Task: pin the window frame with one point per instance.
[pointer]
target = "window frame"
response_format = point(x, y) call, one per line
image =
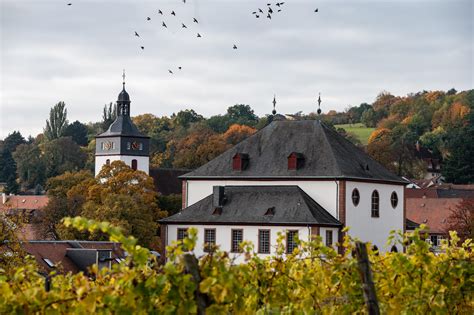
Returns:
point(394, 201)
point(355, 190)
point(185, 232)
point(134, 164)
point(207, 246)
point(294, 245)
point(232, 249)
point(329, 232)
point(269, 241)
point(375, 211)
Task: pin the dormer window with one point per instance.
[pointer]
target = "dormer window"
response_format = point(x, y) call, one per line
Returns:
point(240, 161)
point(295, 161)
point(270, 211)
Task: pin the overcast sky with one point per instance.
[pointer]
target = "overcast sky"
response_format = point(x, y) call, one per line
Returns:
point(349, 51)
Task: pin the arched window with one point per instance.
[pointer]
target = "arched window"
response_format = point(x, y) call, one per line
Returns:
point(134, 164)
point(107, 162)
point(375, 204)
point(394, 249)
point(355, 197)
point(394, 199)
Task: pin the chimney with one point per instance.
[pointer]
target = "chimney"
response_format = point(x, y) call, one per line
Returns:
point(218, 197)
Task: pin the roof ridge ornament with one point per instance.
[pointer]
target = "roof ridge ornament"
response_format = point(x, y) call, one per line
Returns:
point(274, 104)
point(123, 77)
point(319, 104)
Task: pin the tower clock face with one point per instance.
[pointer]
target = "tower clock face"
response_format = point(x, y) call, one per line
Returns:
point(108, 145)
point(135, 145)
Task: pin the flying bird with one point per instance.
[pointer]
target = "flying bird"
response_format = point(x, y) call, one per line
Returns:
point(254, 12)
point(170, 71)
point(279, 10)
point(69, 4)
point(199, 35)
point(270, 10)
point(269, 16)
point(164, 24)
point(136, 34)
point(172, 13)
point(257, 16)
point(235, 46)
point(269, 4)
point(195, 21)
point(160, 12)
point(142, 47)
point(179, 68)
point(260, 10)
point(316, 10)
point(183, 26)
point(148, 18)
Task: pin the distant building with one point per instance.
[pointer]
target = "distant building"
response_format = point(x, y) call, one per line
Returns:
point(122, 141)
point(433, 206)
point(73, 256)
point(28, 206)
point(299, 178)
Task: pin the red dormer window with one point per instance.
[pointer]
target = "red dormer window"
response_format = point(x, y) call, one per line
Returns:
point(240, 161)
point(295, 161)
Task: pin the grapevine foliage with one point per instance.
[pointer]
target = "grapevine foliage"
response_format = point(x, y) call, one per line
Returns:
point(313, 279)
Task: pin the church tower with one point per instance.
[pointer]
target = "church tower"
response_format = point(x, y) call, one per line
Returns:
point(122, 141)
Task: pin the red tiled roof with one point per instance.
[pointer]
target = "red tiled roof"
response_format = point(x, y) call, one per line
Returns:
point(55, 251)
point(431, 211)
point(420, 193)
point(31, 202)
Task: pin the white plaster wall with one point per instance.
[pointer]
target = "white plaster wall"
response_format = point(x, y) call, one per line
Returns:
point(250, 233)
point(323, 192)
point(358, 218)
point(143, 162)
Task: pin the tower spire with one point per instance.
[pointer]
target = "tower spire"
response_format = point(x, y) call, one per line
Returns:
point(123, 77)
point(274, 104)
point(319, 104)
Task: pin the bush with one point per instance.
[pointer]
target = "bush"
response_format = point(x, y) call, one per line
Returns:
point(313, 279)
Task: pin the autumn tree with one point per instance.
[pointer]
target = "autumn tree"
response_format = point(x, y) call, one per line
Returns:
point(461, 219)
point(57, 123)
point(126, 198)
point(236, 133)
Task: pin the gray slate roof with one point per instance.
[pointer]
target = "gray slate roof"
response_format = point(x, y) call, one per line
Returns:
point(248, 205)
point(122, 126)
point(327, 155)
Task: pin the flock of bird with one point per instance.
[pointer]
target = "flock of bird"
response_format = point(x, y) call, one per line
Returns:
point(257, 13)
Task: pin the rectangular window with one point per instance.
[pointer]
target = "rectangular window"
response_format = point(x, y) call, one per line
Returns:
point(264, 241)
point(328, 238)
point(291, 241)
point(140, 146)
point(237, 238)
point(435, 240)
point(182, 234)
point(209, 239)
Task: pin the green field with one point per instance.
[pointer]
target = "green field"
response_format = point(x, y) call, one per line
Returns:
point(360, 130)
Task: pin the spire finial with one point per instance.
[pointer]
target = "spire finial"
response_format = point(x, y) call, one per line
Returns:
point(319, 104)
point(274, 104)
point(123, 77)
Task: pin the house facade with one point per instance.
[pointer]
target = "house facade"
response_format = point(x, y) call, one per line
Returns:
point(328, 182)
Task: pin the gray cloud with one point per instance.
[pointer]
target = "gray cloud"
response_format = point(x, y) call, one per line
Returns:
point(348, 51)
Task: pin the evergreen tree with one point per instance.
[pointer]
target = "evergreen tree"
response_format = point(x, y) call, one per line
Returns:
point(78, 132)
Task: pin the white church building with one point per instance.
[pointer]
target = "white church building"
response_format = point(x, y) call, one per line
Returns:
point(297, 177)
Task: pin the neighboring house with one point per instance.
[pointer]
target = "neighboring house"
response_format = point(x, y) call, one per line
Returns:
point(73, 256)
point(300, 178)
point(28, 206)
point(433, 206)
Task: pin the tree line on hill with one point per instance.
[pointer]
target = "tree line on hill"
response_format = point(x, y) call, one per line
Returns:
point(440, 121)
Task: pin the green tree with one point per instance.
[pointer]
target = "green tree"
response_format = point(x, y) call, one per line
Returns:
point(242, 114)
point(185, 117)
point(57, 123)
point(78, 132)
point(61, 155)
point(30, 165)
point(12, 141)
